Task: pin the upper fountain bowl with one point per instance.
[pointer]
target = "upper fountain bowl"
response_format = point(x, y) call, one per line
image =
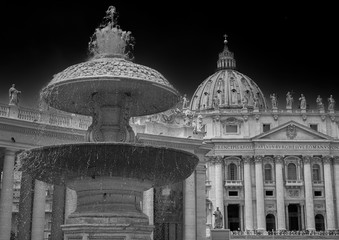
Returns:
point(72, 90)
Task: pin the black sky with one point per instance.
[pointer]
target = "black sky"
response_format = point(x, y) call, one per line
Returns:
point(282, 47)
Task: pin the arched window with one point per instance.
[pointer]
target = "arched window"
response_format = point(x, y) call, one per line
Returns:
point(319, 222)
point(232, 172)
point(316, 172)
point(268, 172)
point(291, 171)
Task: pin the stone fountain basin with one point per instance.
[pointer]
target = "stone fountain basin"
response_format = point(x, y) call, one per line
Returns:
point(58, 164)
point(72, 90)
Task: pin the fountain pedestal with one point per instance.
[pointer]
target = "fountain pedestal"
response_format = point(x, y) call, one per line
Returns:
point(108, 208)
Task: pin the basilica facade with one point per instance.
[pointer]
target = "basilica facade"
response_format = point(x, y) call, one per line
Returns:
point(268, 168)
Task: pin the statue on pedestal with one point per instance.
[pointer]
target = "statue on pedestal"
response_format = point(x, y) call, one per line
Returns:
point(273, 101)
point(331, 103)
point(302, 100)
point(289, 100)
point(185, 102)
point(13, 96)
point(319, 102)
point(218, 219)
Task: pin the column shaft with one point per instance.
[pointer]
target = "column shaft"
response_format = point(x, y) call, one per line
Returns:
point(259, 184)
point(279, 192)
point(248, 194)
point(38, 221)
point(219, 187)
point(329, 194)
point(6, 198)
point(200, 178)
point(336, 181)
point(58, 212)
point(148, 206)
point(310, 225)
point(189, 206)
point(25, 207)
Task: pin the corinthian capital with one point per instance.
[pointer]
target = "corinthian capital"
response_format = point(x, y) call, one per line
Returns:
point(336, 159)
point(327, 159)
point(258, 159)
point(278, 159)
point(307, 159)
point(247, 159)
point(217, 159)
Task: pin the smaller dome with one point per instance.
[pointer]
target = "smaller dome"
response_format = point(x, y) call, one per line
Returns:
point(227, 88)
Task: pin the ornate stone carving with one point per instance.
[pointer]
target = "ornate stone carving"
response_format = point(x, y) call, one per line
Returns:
point(320, 104)
point(257, 116)
point(307, 159)
point(247, 159)
point(275, 117)
point(106, 67)
point(258, 159)
point(304, 117)
point(336, 159)
point(293, 193)
point(278, 159)
point(217, 159)
point(291, 131)
point(327, 159)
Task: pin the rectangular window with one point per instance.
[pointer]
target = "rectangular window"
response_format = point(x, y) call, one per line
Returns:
point(266, 127)
point(269, 193)
point(233, 193)
point(314, 127)
point(317, 193)
point(231, 128)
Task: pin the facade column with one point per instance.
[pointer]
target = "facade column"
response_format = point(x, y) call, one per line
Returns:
point(259, 184)
point(38, 221)
point(248, 193)
point(70, 202)
point(310, 222)
point(25, 206)
point(219, 186)
point(336, 182)
point(148, 206)
point(58, 212)
point(6, 198)
point(200, 180)
point(329, 193)
point(279, 193)
point(189, 206)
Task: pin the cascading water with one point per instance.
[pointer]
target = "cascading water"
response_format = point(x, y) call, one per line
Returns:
point(110, 171)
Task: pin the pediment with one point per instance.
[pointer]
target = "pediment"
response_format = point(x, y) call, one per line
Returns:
point(292, 131)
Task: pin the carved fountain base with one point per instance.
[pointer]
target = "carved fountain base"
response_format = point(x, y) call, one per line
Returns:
point(108, 208)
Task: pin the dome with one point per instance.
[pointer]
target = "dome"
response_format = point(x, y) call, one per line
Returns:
point(227, 88)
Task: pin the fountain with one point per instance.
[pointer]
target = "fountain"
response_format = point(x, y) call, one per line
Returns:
point(110, 170)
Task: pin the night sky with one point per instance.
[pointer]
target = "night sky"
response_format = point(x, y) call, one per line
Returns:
point(282, 47)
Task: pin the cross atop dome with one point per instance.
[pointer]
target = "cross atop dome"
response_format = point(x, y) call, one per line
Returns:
point(225, 36)
point(226, 58)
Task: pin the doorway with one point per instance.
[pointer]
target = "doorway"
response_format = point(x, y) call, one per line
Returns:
point(270, 222)
point(294, 217)
point(233, 217)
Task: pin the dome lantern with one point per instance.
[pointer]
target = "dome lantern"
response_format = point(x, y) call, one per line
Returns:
point(226, 58)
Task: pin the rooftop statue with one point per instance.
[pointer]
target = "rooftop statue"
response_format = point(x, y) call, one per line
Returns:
point(319, 102)
point(13, 96)
point(289, 100)
point(302, 100)
point(274, 101)
point(331, 103)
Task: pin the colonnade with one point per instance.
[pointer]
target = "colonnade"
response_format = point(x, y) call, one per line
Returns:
point(253, 199)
